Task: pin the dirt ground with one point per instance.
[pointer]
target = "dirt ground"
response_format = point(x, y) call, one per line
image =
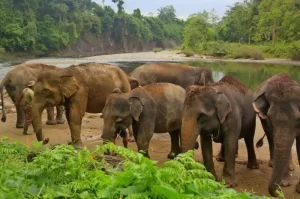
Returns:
point(256, 180)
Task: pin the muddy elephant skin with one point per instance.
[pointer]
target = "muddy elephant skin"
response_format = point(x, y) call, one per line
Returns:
point(16, 80)
point(154, 108)
point(179, 74)
point(79, 88)
point(223, 112)
point(277, 103)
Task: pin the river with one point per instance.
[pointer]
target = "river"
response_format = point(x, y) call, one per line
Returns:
point(251, 74)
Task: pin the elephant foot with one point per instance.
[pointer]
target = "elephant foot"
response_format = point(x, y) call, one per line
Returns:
point(25, 133)
point(171, 155)
point(286, 181)
point(298, 187)
point(62, 121)
point(270, 163)
point(131, 139)
point(220, 158)
point(77, 144)
point(230, 182)
point(253, 164)
point(19, 126)
point(51, 122)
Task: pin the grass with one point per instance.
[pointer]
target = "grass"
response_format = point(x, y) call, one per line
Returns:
point(156, 50)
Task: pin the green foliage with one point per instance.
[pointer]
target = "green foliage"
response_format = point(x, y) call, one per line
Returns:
point(63, 172)
point(45, 26)
point(294, 50)
point(156, 50)
point(246, 52)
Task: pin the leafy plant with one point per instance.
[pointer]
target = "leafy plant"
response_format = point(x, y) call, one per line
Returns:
point(156, 50)
point(63, 172)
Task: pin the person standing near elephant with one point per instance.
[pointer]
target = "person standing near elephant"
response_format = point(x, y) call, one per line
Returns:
point(25, 102)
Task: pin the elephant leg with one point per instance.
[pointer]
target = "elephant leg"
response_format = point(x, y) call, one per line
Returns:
point(145, 133)
point(60, 115)
point(230, 146)
point(249, 140)
point(221, 157)
point(50, 118)
point(298, 187)
point(74, 118)
point(207, 154)
point(174, 144)
point(20, 117)
point(269, 133)
point(298, 148)
point(130, 131)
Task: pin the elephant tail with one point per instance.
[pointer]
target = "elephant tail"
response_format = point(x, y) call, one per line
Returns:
point(260, 142)
point(4, 81)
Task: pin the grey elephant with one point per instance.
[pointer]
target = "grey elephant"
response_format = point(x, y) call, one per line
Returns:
point(80, 88)
point(221, 112)
point(179, 74)
point(152, 108)
point(277, 104)
point(16, 80)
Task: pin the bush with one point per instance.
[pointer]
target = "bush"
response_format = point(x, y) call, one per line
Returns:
point(246, 52)
point(2, 50)
point(187, 52)
point(63, 172)
point(294, 50)
point(156, 50)
point(279, 50)
point(213, 48)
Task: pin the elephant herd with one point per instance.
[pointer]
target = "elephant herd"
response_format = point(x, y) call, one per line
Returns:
point(167, 97)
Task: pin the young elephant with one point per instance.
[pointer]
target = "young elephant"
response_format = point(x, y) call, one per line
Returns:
point(80, 88)
point(277, 102)
point(152, 108)
point(223, 112)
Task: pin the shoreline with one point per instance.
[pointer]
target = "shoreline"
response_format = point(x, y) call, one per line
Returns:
point(163, 56)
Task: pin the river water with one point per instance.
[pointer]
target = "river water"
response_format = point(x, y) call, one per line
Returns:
point(251, 74)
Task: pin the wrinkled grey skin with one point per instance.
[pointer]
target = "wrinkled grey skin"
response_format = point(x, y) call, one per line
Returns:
point(81, 88)
point(154, 108)
point(16, 80)
point(179, 74)
point(277, 103)
point(222, 111)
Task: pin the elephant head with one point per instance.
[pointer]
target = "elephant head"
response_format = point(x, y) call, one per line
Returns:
point(51, 89)
point(203, 76)
point(283, 113)
point(119, 112)
point(205, 109)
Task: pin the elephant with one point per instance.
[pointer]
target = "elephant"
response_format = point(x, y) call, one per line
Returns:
point(179, 74)
point(16, 80)
point(221, 112)
point(151, 108)
point(277, 103)
point(79, 88)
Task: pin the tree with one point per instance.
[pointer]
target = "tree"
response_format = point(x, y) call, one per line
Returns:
point(120, 6)
point(167, 14)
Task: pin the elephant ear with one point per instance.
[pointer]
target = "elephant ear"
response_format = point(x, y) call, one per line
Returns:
point(134, 83)
point(136, 107)
point(69, 85)
point(223, 107)
point(261, 106)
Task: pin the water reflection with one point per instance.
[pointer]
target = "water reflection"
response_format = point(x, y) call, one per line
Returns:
point(251, 74)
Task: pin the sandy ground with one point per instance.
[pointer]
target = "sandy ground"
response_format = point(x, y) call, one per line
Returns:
point(256, 180)
point(151, 56)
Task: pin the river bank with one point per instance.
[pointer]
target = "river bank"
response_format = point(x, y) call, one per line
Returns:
point(168, 56)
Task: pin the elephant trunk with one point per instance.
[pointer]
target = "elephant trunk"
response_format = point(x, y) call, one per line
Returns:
point(282, 151)
point(189, 133)
point(37, 110)
point(108, 134)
